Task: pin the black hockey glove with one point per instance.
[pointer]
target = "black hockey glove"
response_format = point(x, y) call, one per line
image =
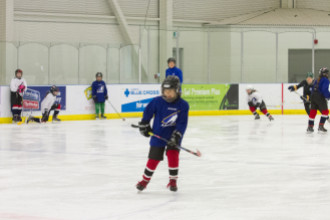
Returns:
point(145, 128)
point(292, 88)
point(175, 139)
point(250, 104)
point(55, 106)
point(106, 97)
point(95, 98)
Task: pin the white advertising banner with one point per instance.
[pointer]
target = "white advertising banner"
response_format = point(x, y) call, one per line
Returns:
point(132, 98)
point(135, 97)
point(271, 94)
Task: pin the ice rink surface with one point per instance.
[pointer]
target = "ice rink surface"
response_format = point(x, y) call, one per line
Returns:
point(87, 170)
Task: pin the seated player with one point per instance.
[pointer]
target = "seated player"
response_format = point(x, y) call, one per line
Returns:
point(255, 101)
point(170, 113)
point(47, 105)
point(17, 88)
point(307, 84)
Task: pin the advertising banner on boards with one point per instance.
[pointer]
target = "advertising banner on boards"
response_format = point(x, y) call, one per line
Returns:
point(211, 96)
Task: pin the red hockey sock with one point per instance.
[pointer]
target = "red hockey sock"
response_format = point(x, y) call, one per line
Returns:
point(150, 168)
point(173, 163)
point(252, 109)
point(324, 116)
point(312, 116)
point(265, 112)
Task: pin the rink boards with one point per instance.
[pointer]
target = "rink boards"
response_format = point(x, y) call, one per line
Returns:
point(204, 99)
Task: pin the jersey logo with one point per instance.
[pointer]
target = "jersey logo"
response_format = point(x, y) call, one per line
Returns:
point(100, 89)
point(170, 120)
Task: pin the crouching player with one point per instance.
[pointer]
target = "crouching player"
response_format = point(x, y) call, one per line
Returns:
point(320, 94)
point(170, 114)
point(255, 101)
point(47, 105)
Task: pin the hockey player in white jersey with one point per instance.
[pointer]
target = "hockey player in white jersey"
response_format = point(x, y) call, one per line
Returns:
point(47, 105)
point(255, 101)
point(17, 88)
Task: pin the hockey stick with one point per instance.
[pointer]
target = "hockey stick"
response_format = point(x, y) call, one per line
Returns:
point(197, 153)
point(301, 96)
point(122, 118)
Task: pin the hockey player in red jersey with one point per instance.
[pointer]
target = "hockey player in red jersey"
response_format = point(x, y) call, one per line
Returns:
point(255, 101)
point(170, 113)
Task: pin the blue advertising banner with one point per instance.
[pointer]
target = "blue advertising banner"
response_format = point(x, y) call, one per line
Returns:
point(137, 106)
point(35, 94)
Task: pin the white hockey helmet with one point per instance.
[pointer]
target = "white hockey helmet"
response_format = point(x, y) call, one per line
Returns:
point(249, 87)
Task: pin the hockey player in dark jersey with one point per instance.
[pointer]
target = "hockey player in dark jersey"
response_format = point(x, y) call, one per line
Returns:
point(170, 113)
point(100, 95)
point(319, 97)
point(307, 85)
point(173, 70)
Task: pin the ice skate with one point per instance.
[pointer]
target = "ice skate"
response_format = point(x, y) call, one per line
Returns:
point(310, 129)
point(270, 118)
point(142, 185)
point(56, 120)
point(97, 117)
point(103, 117)
point(172, 185)
point(257, 117)
point(14, 120)
point(322, 129)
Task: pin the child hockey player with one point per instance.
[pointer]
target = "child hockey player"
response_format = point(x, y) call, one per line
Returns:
point(320, 94)
point(47, 105)
point(255, 101)
point(170, 114)
point(307, 84)
point(17, 88)
point(173, 70)
point(100, 94)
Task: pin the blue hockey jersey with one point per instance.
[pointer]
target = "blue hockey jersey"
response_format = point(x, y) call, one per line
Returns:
point(323, 87)
point(175, 71)
point(168, 117)
point(99, 89)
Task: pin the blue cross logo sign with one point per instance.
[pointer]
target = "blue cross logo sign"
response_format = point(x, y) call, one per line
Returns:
point(126, 92)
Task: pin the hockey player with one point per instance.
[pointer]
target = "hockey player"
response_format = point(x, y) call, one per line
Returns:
point(100, 94)
point(255, 101)
point(173, 70)
point(307, 84)
point(17, 88)
point(170, 114)
point(47, 105)
point(320, 95)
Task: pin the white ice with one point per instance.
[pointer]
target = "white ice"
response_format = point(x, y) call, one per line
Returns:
point(87, 170)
